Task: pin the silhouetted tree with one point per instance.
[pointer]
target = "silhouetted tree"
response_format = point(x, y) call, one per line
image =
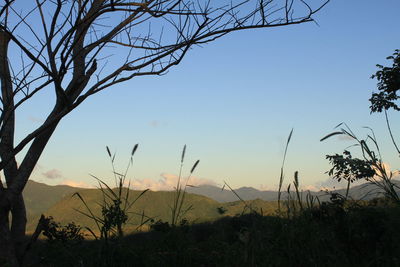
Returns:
point(76, 48)
point(371, 166)
point(389, 88)
point(388, 85)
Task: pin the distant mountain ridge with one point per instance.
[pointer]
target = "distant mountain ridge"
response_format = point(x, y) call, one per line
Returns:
point(156, 205)
point(39, 197)
point(57, 201)
point(364, 191)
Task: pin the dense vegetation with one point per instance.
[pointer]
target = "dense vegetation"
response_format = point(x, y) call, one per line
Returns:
point(333, 234)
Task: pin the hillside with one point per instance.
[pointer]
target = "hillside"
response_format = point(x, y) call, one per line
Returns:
point(57, 201)
point(364, 191)
point(154, 205)
point(40, 197)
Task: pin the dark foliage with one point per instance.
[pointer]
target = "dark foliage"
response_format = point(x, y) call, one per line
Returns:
point(348, 168)
point(388, 85)
point(339, 233)
point(54, 231)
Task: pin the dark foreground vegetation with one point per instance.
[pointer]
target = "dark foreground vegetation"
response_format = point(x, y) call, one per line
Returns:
point(339, 233)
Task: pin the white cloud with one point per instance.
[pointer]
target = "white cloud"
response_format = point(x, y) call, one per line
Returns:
point(35, 119)
point(344, 137)
point(154, 124)
point(263, 187)
point(386, 167)
point(37, 167)
point(167, 182)
point(52, 174)
point(396, 174)
point(76, 184)
point(157, 124)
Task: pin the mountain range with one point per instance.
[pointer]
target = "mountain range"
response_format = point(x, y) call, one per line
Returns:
point(363, 191)
point(58, 201)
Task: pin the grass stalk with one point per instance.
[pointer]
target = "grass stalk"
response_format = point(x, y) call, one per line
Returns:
point(177, 210)
point(281, 178)
point(115, 203)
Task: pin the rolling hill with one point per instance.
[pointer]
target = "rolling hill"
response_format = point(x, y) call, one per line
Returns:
point(155, 205)
point(59, 202)
point(40, 197)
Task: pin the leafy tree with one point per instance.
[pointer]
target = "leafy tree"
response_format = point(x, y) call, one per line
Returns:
point(388, 85)
point(371, 166)
point(77, 48)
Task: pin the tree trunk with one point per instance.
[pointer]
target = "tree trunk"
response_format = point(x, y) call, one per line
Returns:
point(10, 202)
point(18, 226)
point(8, 257)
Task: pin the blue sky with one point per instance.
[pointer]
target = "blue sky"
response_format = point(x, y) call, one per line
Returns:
point(234, 102)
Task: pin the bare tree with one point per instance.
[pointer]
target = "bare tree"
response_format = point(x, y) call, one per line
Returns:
point(76, 48)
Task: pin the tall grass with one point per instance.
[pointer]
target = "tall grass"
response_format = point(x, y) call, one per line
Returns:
point(370, 167)
point(281, 177)
point(178, 210)
point(115, 203)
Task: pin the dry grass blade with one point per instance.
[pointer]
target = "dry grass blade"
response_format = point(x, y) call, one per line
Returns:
point(108, 151)
point(330, 135)
point(337, 126)
point(296, 178)
point(287, 144)
point(296, 186)
point(183, 154)
point(194, 166)
point(95, 218)
point(90, 231)
point(89, 210)
point(135, 147)
point(106, 185)
point(143, 221)
point(136, 199)
point(134, 150)
point(281, 178)
point(177, 210)
point(391, 134)
point(112, 165)
point(127, 194)
point(118, 174)
point(223, 187)
point(241, 199)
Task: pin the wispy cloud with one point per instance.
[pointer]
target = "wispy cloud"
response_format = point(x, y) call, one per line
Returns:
point(343, 137)
point(76, 184)
point(35, 119)
point(167, 182)
point(386, 167)
point(157, 124)
point(264, 187)
point(38, 167)
point(331, 184)
point(52, 174)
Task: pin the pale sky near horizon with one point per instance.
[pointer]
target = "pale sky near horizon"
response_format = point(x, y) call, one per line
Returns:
point(233, 103)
